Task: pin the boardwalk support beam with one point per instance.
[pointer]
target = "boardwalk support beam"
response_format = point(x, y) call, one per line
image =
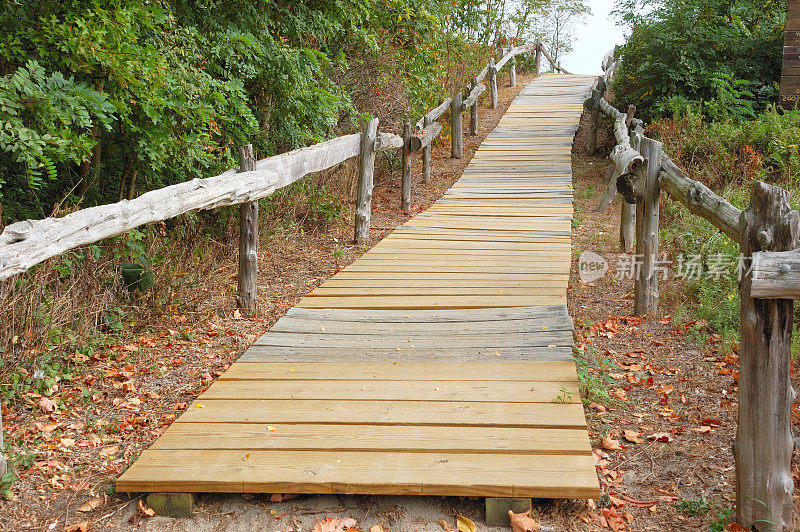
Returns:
point(365, 175)
point(248, 240)
point(764, 441)
point(497, 509)
point(172, 504)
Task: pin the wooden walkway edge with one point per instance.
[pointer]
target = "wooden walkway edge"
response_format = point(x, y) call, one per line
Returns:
point(438, 363)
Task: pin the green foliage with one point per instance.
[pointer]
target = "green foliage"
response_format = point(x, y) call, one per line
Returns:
point(723, 57)
point(728, 156)
point(47, 119)
point(693, 507)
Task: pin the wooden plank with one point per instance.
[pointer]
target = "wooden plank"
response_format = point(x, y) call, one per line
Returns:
point(271, 355)
point(381, 473)
point(432, 316)
point(284, 437)
point(419, 371)
point(443, 391)
point(423, 413)
point(428, 302)
point(330, 340)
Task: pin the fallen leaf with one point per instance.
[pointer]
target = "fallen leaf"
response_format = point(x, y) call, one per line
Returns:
point(618, 393)
point(632, 436)
point(109, 451)
point(67, 442)
point(78, 527)
point(661, 436)
point(91, 505)
point(614, 520)
point(144, 510)
point(702, 429)
point(610, 444)
point(598, 407)
point(445, 526)
point(47, 404)
point(376, 528)
point(331, 524)
point(522, 522)
point(464, 524)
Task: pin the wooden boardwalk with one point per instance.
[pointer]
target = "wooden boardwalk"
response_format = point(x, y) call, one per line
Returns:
point(439, 363)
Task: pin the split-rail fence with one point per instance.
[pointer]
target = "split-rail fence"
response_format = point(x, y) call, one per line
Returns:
point(768, 233)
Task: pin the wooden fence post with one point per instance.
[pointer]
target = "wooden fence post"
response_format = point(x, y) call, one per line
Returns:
point(645, 291)
point(456, 143)
point(595, 115)
point(473, 111)
point(426, 154)
point(512, 72)
point(538, 57)
point(248, 240)
point(406, 181)
point(627, 225)
point(764, 442)
point(365, 174)
point(493, 83)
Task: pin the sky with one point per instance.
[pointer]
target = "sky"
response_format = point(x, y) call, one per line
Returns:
point(593, 39)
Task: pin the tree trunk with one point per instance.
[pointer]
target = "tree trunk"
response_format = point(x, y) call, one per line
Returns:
point(764, 441)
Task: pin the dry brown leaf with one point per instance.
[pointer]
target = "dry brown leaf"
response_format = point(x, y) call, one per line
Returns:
point(445, 526)
point(376, 528)
point(610, 444)
point(598, 407)
point(91, 505)
point(47, 404)
point(522, 522)
point(331, 524)
point(660, 436)
point(632, 436)
point(109, 451)
point(464, 524)
point(78, 527)
point(614, 520)
point(618, 393)
point(144, 510)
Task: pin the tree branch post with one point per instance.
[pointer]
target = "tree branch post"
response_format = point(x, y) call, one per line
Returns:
point(764, 441)
point(406, 181)
point(426, 155)
point(248, 240)
point(493, 83)
point(645, 291)
point(627, 224)
point(512, 72)
point(366, 171)
point(456, 143)
point(538, 57)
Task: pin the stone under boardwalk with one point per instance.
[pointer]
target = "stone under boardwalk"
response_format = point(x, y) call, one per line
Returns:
point(439, 363)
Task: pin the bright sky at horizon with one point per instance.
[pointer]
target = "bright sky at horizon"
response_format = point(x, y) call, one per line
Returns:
point(593, 39)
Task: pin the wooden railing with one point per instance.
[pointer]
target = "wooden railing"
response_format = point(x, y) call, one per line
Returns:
point(768, 233)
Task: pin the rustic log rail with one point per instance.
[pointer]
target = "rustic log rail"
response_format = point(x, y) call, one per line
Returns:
point(768, 233)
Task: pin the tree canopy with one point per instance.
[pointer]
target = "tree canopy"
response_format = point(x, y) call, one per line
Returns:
point(720, 56)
